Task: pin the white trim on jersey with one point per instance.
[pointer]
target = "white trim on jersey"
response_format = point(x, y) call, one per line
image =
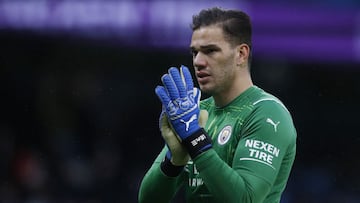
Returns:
point(271, 99)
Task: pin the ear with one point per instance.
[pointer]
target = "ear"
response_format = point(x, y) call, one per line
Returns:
point(242, 55)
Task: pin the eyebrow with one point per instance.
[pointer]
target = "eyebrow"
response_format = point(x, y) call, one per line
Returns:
point(209, 46)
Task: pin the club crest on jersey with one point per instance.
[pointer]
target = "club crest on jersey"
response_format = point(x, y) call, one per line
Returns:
point(224, 135)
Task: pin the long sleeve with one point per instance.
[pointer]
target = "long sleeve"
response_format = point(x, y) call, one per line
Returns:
point(227, 184)
point(156, 186)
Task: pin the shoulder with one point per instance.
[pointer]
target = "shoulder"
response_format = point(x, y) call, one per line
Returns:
point(262, 100)
point(270, 116)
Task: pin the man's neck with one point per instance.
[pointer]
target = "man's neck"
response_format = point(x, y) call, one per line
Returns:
point(225, 97)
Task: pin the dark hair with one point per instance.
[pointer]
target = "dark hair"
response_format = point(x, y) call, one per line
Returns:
point(235, 24)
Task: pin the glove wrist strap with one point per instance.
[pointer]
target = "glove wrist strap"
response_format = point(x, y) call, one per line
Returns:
point(197, 143)
point(169, 169)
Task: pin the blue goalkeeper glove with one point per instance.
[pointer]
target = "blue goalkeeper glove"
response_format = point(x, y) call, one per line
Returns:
point(176, 151)
point(177, 155)
point(181, 99)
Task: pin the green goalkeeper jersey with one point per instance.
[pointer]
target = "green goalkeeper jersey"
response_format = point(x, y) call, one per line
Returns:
point(254, 147)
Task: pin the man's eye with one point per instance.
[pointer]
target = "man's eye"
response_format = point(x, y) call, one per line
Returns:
point(209, 51)
point(194, 53)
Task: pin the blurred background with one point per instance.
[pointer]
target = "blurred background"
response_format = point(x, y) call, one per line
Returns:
point(78, 113)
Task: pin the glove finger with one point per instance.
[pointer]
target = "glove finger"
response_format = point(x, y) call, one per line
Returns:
point(175, 75)
point(186, 76)
point(196, 95)
point(161, 92)
point(162, 117)
point(163, 121)
point(170, 86)
point(203, 117)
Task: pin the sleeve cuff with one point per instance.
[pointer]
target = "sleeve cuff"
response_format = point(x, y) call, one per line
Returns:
point(197, 143)
point(169, 169)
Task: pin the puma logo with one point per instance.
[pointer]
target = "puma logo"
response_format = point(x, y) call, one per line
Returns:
point(187, 123)
point(268, 120)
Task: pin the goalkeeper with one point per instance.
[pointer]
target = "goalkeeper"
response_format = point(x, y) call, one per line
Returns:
point(239, 144)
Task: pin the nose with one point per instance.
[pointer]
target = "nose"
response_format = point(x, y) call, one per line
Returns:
point(199, 60)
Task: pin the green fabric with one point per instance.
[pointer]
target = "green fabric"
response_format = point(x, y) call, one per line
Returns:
point(156, 186)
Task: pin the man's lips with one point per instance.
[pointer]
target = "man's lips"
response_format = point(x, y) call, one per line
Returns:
point(202, 77)
point(201, 74)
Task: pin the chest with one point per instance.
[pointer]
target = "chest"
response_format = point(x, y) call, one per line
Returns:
point(224, 128)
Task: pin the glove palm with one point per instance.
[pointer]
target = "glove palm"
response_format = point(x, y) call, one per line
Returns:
point(177, 153)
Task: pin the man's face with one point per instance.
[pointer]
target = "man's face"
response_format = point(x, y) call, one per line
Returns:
point(214, 59)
